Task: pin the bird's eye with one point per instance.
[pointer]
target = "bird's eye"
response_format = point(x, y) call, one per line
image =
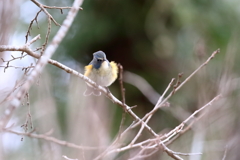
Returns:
point(99, 60)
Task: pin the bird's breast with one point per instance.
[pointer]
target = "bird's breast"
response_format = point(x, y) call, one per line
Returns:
point(105, 75)
point(104, 70)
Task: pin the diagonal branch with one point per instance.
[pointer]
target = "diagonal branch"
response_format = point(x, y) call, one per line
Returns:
point(43, 60)
point(180, 127)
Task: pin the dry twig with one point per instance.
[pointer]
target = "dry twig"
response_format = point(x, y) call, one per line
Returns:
point(30, 25)
point(52, 139)
point(123, 98)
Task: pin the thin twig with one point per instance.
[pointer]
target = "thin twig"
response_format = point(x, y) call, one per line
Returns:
point(45, 11)
point(181, 132)
point(30, 25)
point(180, 127)
point(47, 36)
point(13, 59)
point(53, 139)
point(166, 90)
point(123, 98)
point(54, 7)
point(178, 82)
point(202, 108)
point(17, 67)
point(28, 117)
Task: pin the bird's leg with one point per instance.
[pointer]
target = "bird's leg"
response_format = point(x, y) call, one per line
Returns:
point(108, 91)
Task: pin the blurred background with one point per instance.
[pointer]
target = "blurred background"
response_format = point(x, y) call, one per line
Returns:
point(153, 40)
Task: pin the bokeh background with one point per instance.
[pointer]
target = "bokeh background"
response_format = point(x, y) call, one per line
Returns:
point(154, 39)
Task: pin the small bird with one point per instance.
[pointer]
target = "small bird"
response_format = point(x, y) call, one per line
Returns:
point(100, 71)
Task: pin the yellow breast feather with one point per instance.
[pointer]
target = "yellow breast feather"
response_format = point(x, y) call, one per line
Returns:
point(104, 70)
point(88, 70)
point(114, 70)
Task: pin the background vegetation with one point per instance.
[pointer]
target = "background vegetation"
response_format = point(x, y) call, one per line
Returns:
point(155, 39)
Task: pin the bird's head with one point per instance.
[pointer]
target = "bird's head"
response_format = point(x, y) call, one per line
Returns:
point(99, 58)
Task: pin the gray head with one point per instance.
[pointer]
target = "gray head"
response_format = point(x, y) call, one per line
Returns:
point(98, 58)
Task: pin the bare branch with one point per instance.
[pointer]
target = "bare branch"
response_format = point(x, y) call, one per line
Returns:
point(180, 127)
point(52, 139)
point(33, 40)
point(47, 36)
point(44, 58)
point(45, 11)
point(54, 7)
point(30, 25)
point(199, 110)
point(184, 82)
point(123, 98)
point(28, 117)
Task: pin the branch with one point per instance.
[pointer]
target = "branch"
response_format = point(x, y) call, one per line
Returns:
point(45, 11)
point(123, 98)
point(43, 60)
point(150, 116)
point(31, 23)
point(180, 127)
point(54, 7)
point(158, 105)
point(169, 137)
point(42, 6)
point(52, 139)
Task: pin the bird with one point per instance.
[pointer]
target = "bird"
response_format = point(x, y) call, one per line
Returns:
point(100, 71)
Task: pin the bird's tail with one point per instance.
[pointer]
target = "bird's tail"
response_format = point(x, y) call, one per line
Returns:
point(90, 91)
